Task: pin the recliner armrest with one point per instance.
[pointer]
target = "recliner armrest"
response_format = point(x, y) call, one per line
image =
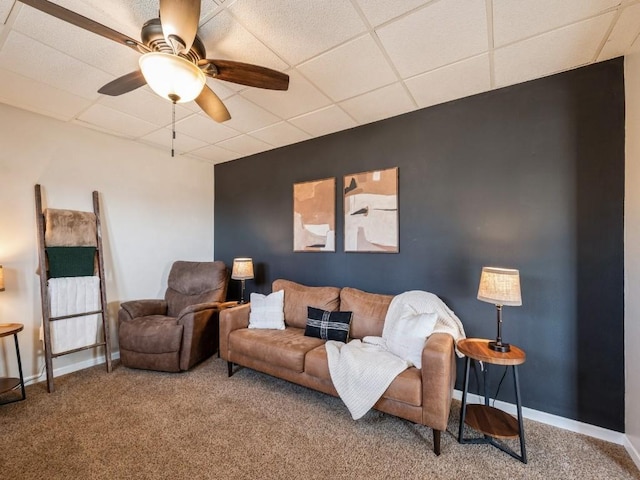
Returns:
point(142, 308)
point(198, 307)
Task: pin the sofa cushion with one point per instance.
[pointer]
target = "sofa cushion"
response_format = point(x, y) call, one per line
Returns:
point(369, 311)
point(406, 387)
point(298, 297)
point(151, 334)
point(328, 325)
point(267, 311)
point(283, 348)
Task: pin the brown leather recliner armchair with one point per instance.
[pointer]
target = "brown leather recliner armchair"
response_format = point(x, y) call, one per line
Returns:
point(174, 334)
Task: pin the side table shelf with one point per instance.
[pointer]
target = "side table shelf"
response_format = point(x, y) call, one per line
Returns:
point(490, 421)
point(7, 384)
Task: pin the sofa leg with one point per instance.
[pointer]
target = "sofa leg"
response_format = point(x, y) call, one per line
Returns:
point(436, 441)
point(230, 368)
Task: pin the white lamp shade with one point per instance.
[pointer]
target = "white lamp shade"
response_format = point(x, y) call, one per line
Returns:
point(170, 75)
point(242, 269)
point(500, 286)
point(1, 279)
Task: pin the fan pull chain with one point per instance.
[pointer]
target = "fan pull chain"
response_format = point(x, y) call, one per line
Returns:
point(173, 127)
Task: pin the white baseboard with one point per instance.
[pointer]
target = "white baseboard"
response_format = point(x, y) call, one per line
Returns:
point(74, 367)
point(554, 420)
point(631, 450)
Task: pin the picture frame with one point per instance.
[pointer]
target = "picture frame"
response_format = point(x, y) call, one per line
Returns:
point(314, 216)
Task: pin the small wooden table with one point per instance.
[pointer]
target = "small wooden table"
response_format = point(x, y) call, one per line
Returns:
point(492, 422)
point(9, 383)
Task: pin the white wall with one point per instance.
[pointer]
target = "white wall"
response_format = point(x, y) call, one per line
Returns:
point(155, 209)
point(632, 254)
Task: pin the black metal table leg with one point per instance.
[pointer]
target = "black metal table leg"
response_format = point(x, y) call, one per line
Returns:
point(465, 389)
point(523, 451)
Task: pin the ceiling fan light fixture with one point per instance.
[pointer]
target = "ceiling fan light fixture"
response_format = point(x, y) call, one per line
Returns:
point(172, 77)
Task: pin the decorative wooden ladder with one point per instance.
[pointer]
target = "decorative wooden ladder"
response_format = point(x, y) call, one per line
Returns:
point(44, 291)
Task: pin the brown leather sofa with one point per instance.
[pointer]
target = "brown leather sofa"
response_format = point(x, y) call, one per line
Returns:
point(422, 395)
point(174, 334)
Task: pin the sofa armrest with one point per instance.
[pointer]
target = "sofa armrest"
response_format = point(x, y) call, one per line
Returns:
point(438, 380)
point(142, 308)
point(199, 334)
point(232, 319)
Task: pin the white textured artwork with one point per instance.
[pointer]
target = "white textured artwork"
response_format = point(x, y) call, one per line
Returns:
point(371, 211)
point(314, 216)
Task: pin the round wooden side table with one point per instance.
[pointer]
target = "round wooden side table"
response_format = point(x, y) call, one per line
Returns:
point(9, 383)
point(492, 422)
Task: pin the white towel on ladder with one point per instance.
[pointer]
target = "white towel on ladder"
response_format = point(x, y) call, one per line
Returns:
point(68, 296)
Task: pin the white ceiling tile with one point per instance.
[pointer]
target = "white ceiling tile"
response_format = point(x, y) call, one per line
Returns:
point(281, 134)
point(78, 43)
point(458, 80)
point(183, 143)
point(39, 97)
point(552, 52)
point(215, 154)
point(244, 145)
point(385, 102)
point(245, 116)
point(221, 88)
point(203, 128)
point(350, 69)
point(35, 60)
point(324, 121)
point(145, 104)
point(5, 10)
point(299, 30)
point(516, 20)
point(441, 33)
point(623, 34)
point(225, 38)
point(117, 122)
point(380, 11)
point(302, 97)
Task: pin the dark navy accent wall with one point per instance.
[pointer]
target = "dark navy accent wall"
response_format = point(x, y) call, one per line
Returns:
point(529, 177)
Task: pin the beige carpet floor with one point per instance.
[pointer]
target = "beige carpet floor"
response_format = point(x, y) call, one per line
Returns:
point(134, 424)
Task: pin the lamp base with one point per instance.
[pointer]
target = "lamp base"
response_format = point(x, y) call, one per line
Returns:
point(500, 347)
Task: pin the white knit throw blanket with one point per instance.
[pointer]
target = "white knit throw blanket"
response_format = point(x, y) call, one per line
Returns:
point(361, 373)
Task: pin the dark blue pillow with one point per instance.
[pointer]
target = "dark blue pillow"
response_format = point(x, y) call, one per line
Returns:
point(328, 325)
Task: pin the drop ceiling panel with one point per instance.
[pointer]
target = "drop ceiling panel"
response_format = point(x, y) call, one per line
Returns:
point(349, 70)
point(183, 143)
point(205, 129)
point(246, 116)
point(78, 43)
point(280, 134)
point(225, 38)
point(114, 121)
point(380, 11)
point(35, 60)
point(517, 20)
point(383, 103)
point(215, 154)
point(441, 33)
point(302, 97)
point(28, 94)
point(324, 121)
point(5, 10)
point(551, 52)
point(458, 80)
point(146, 105)
point(299, 30)
point(245, 145)
point(624, 32)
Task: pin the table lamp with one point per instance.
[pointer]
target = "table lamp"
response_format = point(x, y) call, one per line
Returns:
point(500, 286)
point(242, 270)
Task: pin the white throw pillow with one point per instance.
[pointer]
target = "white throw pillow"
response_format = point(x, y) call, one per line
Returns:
point(267, 311)
point(406, 335)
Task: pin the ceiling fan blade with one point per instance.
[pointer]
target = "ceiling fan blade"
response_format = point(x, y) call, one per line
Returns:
point(245, 74)
point(180, 23)
point(85, 23)
point(124, 84)
point(212, 105)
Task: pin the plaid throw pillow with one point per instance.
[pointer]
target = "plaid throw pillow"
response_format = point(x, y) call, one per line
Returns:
point(328, 325)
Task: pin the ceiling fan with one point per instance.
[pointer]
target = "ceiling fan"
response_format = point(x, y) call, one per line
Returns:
point(174, 62)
